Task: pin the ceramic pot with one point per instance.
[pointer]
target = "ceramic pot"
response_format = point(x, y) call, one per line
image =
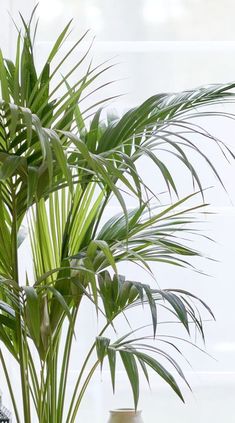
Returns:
point(125, 415)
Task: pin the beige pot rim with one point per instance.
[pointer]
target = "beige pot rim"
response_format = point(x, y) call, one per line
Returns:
point(126, 411)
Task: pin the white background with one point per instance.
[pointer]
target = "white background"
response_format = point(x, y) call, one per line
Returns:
point(162, 45)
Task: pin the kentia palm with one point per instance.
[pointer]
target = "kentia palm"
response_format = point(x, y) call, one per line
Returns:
point(58, 174)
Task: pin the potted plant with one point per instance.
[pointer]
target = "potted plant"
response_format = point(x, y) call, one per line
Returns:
point(59, 168)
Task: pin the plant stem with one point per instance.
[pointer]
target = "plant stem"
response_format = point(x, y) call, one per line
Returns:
point(78, 382)
point(23, 366)
point(81, 373)
point(9, 387)
point(100, 214)
point(42, 403)
point(51, 369)
point(64, 368)
point(34, 376)
point(83, 390)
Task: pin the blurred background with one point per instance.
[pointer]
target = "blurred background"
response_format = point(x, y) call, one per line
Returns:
point(161, 46)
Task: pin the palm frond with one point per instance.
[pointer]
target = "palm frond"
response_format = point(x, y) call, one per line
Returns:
point(61, 163)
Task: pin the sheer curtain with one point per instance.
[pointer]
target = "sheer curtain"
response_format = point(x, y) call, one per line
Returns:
point(162, 45)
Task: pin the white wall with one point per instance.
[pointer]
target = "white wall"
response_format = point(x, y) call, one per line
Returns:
point(165, 46)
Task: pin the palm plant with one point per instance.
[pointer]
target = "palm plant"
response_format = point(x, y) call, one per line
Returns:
point(60, 166)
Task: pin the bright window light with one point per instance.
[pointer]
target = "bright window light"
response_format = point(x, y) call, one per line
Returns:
point(94, 17)
point(225, 347)
point(160, 11)
point(49, 9)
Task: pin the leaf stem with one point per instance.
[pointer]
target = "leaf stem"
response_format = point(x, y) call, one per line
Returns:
point(22, 358)
point(9, 387)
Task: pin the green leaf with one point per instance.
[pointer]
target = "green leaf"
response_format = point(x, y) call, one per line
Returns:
point(58, 42)
point(178, 306)
point(9, 167)
point(8, 322)
point(33, 312)
point(131, 368)
point(152, 306)
point(158, 368)
point(102, 344)
point(103, 246)
point(7, 308)
point(112, 365)
point(59, 297)
point(33, 176)
point(3, 80)
point(62, 159)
